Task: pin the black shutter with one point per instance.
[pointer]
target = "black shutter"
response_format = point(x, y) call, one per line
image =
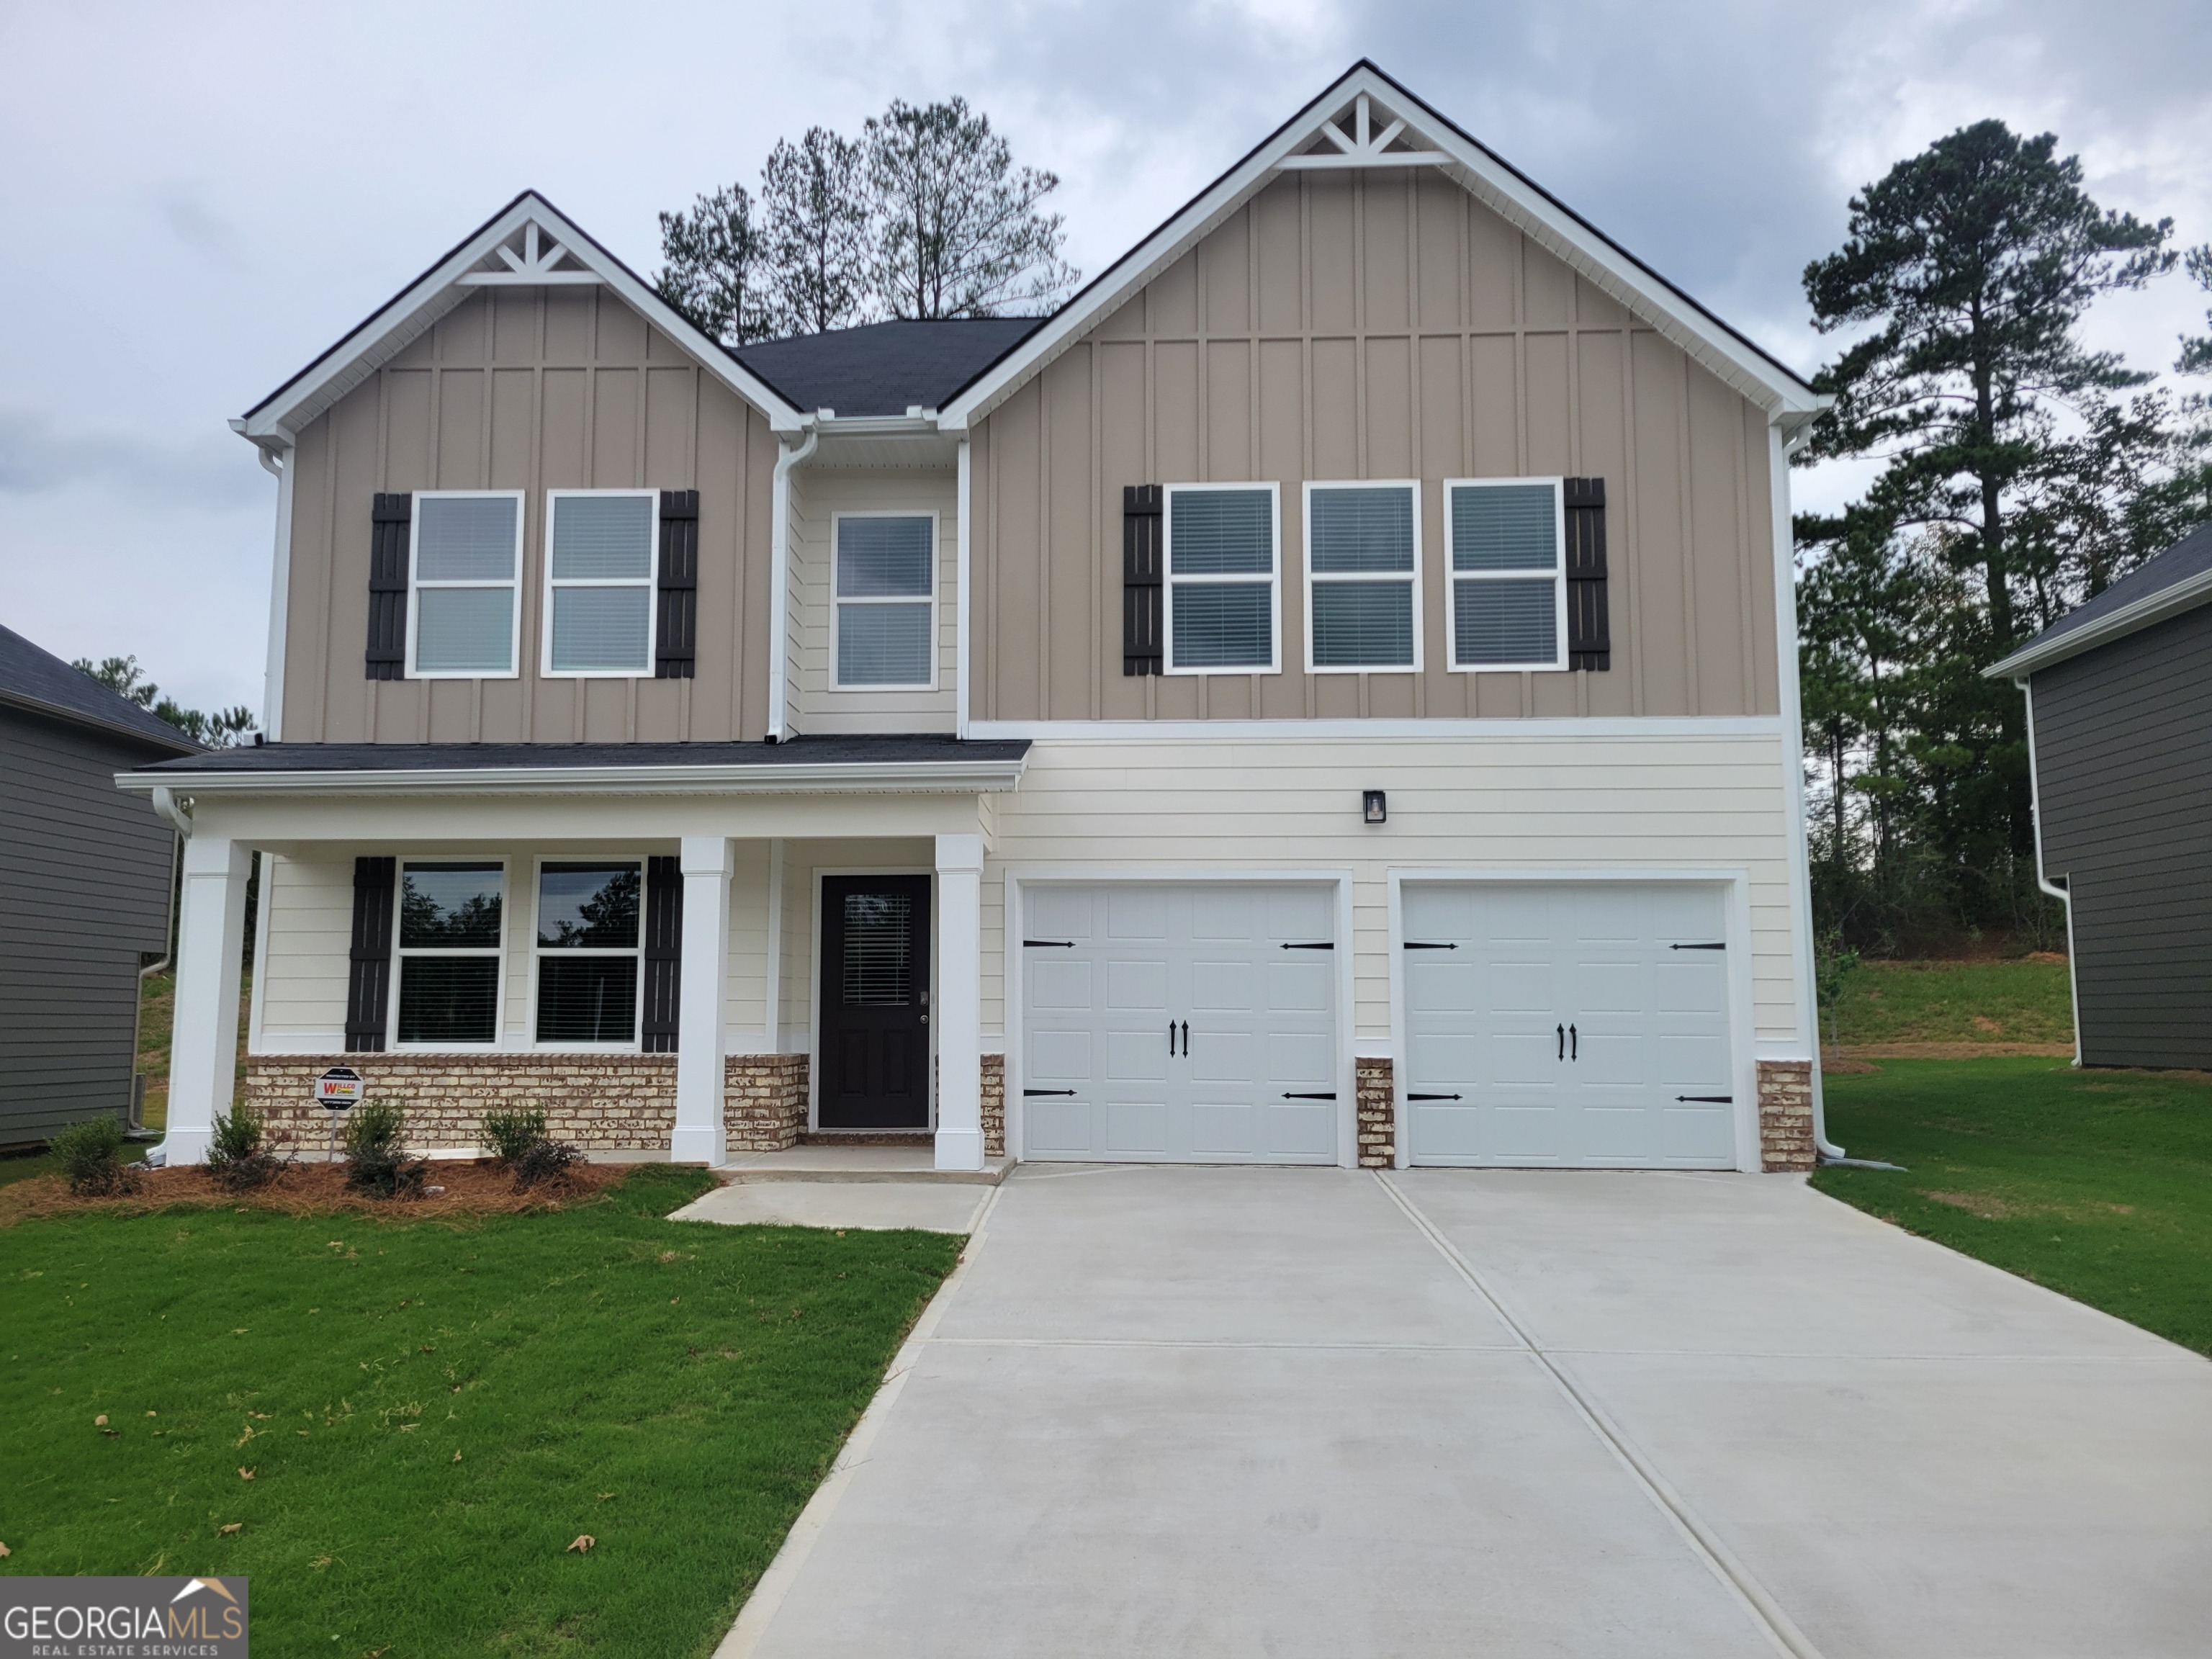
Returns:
point(368, 993)
point(390, 520)
point(664, 953)
point(1142, 563)
point(1589, 626)
point(674, 650)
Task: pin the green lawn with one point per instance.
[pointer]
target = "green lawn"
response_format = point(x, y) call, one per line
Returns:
point(2097, 1184)
point(432, 1413)
point(1953, 1002)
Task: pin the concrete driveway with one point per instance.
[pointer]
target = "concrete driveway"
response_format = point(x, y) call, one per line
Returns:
point(1175, 1411)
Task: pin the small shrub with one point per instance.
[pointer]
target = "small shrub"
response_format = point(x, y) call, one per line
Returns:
point(238, 1156)
point(376, 1153)
point(510, 1135)
point(545, 1162)
point(91, 1156)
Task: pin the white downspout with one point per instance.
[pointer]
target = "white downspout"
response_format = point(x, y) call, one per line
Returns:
point(280, 597)
point(2063, 895)
point(779, 623)
point(1793, 746)
point(175, 813)
point(960, 599)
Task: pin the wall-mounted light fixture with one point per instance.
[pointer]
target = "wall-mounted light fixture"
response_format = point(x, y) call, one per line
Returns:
point(1375, 806)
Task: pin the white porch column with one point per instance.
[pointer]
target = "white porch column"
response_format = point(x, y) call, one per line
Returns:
point(211, 957)
point(700, 1136)
point(958, 1009)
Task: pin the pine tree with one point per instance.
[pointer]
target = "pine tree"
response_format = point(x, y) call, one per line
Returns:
point(820, 243)
point(714, 267)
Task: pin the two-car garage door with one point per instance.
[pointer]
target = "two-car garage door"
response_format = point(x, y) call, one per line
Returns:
point(1575, 1025)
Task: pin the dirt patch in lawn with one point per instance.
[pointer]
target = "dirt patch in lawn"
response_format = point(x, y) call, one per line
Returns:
point(470, 1187)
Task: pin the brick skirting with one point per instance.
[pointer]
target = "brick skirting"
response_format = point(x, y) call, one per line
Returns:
point(995, 1105)
point(1785, 1116)
point(1376, 1124)
point(599, 1102)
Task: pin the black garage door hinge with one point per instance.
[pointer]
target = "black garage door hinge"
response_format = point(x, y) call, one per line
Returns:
point(1026, 1093)
point(1717, 945)
point(1713, 1100)
point(1417, 944)
point(1323, 945)
point(1055, 944)
point(1331, 1095)
point(1432, 1096)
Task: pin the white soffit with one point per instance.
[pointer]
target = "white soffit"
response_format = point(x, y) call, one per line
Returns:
point(527, 243)
point(1368, 120)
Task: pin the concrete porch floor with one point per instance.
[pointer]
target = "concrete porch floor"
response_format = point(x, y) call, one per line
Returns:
point(860, 1162)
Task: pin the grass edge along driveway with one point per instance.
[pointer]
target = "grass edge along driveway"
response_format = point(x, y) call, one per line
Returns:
point(2097, 1184)
point(398, 1429)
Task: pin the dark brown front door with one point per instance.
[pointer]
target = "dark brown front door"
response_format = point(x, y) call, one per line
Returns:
point(874, 999)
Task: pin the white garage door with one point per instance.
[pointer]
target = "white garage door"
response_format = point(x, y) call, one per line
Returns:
point(1581, 1026)
point(1182, 1022)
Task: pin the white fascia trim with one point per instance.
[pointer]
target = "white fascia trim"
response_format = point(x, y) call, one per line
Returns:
point(2127, 619)
point(412, 313)
point(1545, 730)
point(898, 778)
point(1782, 395)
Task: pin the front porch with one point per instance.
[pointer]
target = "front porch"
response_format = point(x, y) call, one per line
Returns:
point(690, 975)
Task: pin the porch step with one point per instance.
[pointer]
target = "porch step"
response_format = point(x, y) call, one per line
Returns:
point(866, 1163)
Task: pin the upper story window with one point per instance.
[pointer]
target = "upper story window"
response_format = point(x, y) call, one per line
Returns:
point(1504, 541)
point(1363, 577)
point(588, 940)
point(1224, 614)
point(463, 621)
point(598, 582)
point(452, 931)
point(885, 585)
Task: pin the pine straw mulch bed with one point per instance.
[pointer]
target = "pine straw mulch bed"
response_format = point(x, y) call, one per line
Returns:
point(472, 1188)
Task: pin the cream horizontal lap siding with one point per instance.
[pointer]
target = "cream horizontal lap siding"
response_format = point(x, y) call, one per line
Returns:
point(1560, 802)
point(1376, 325)
point(818, 497)
point(530, 389)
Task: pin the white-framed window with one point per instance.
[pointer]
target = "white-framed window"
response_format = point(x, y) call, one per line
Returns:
point(883, 589)
point(1506, 555)
point(588, 952)
point(600, 549)
point(463, 573)
point(452, 953)
point(1363, 576)
point(1224, 602)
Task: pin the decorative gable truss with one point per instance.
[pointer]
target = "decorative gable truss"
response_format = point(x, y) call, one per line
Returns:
point(1395, 146)
point(531, 258)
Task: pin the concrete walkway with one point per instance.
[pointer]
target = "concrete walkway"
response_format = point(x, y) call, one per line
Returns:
point(1278, 1412)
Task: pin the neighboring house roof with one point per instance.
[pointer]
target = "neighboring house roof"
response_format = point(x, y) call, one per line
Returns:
point(1389, 126)
point(889, 761)
point(2177, 579)
point(529, 243)
point(885, 369)
point(35, 679)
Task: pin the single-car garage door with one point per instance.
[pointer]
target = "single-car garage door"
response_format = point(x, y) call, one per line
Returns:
point(1179, 1021)
point(1573, 1025)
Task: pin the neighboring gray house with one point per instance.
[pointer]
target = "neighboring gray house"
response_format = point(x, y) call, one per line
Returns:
point(2119, 708)
point(85, 875)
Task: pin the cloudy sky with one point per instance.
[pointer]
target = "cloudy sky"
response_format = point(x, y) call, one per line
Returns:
point(199, 199)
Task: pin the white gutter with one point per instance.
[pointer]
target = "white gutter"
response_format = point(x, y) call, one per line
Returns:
point(2136, 614)
point(176, 816)
point(1793, 749)
point(963, 777)
point(779, 607)
point(2043, 881)
point(960, 601)
point(280, 583)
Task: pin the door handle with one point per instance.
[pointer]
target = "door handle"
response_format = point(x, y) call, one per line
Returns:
point(1186, 1039)
point(1574, 1044)
point(1563, 1042)
point(1171, 1037)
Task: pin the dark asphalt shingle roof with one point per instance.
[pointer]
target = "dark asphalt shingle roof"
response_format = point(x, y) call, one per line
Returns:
point(885, 369)
point(284, 757)
point(2189, 556)
point(39, 680)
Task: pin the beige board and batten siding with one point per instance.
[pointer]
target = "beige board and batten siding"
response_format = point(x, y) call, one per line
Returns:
point(816, 498)
point(1376, 325)
point(531, 389)
point(1523, 804)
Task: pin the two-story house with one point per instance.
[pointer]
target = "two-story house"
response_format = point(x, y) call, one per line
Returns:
point(1325, 693)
